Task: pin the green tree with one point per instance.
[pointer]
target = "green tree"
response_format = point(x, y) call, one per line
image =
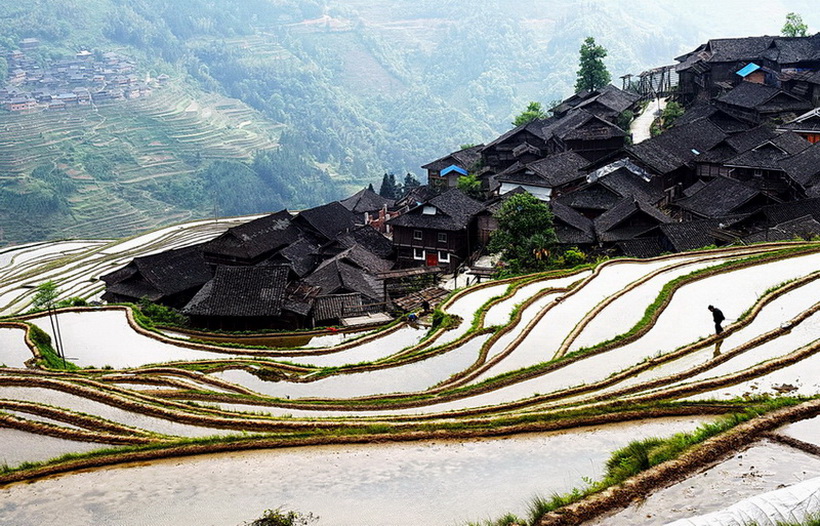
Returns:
point(470, 184)
point(794, 26)
point(390, 189)
point(592, 72)
point(525, 237)
point(45, 296)
point(534, 111)
point(410, 182)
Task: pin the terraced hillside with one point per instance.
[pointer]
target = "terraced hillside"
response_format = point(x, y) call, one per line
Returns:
point(409, 417)
point(124, 161)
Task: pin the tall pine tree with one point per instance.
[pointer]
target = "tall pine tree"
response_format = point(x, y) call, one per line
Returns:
point(592, 73)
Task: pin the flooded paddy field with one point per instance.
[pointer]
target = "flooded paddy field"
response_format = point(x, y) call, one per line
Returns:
point(430, 482)
point(411, 424)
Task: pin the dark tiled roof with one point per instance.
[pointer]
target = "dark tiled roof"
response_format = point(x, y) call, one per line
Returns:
point(691, 235)
point(255, 238)
point(610, 225)
point(453, 212)
point(366, 200)
point(534, 127)
point(613, 98)
point(678, 146)
point(695, 187)
point(329, 220)
point(750, 95)
point(771, 153)
point(552, 171)
point(738, 49)
point(364, 259)
point(594, 197)
point(783, 212)
point(241, 292)
point(301, 256)
point(369, 238)
point(581, 125)
point(571, 228)
point(625, 183)
point(300, 297)
point(466, 158)
point(336, 306)
point(720, 197)
point(334, 277)
point(808, 122)
point(647, 247)
point(161, 274)
point(804, 168)
point(804, 227)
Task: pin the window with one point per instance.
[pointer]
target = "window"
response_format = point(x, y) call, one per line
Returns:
point(444, 257)
point(417, 235)
point(418, 254)
point(442, 237)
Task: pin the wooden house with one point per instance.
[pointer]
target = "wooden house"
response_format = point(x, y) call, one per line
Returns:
point(711, 68)
point(170, 278)
point(806, 125)
point(243, 298)
point(523, 144)
point(371, 208)
point(544, 177)
point(252, 242)
point(443, 173)
point(763, 166)
point(438, 233)
point(720, 198)
point(607, 103)
point(757, 103)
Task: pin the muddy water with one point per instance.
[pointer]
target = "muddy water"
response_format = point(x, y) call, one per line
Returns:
point(806, 430)
point(382, 347)
point(762, 468)
point(499, 313)
point(100, 338)
point(430, 483)
point(84, 405)
point(13, 349)
point(17, 447)
point(416, 376)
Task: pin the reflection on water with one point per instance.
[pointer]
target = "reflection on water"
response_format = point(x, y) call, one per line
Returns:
point(434, 482)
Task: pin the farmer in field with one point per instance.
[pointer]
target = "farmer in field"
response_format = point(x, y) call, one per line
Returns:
point(718, 317)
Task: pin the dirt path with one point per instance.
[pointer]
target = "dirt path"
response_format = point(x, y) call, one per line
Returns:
point(641, 124)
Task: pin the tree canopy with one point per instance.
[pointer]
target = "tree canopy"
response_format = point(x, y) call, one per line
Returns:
point(794, 26)
point(534, 111)
point(525, 237)
point(592, 72)
point(47, 293)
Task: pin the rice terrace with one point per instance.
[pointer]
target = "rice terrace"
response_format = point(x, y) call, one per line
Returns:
point(510, 398)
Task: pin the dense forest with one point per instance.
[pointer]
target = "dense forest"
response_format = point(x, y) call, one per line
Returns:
point(361, 87)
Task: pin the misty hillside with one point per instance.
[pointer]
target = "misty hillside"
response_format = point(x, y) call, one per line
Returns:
point(314, 98)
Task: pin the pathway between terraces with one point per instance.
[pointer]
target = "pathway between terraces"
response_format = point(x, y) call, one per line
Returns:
point(642, 123)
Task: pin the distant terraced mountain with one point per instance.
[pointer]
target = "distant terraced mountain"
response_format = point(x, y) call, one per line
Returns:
point(118, 158)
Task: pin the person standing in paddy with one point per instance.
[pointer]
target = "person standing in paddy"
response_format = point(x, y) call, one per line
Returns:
point(718, 317)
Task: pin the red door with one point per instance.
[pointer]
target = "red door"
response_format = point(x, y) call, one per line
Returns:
point(432, 259)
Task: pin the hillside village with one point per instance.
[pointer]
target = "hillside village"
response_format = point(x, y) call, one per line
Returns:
point(90, 77)
point(740, 166)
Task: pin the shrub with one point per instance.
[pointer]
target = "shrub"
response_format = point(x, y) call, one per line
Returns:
point(278, 517)
point(160, 314)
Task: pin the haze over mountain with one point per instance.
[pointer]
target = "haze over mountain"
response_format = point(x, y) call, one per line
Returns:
point(286, 103)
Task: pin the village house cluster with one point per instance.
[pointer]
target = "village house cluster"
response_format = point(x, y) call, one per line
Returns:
point(90, 77)
point(742, 165)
